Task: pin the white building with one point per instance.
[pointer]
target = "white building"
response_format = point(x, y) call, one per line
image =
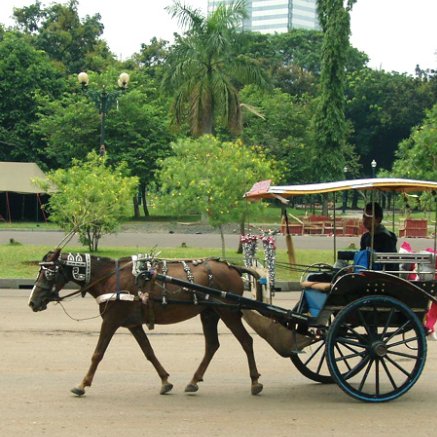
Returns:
point(270, 16)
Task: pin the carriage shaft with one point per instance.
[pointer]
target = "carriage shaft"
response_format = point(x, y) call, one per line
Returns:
point(265, 309)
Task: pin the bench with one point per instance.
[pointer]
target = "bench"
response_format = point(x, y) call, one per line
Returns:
point(315, 224)
point(414, 228)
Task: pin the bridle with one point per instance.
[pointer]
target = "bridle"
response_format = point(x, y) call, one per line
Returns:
point(51, 270)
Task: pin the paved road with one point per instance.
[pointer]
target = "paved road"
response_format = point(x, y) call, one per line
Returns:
point(144, 240)
point(45, 354)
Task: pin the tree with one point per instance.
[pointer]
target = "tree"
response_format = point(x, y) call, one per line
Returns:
point(92, 198)
point(285, 131)
point(331, 128)
point(206, 175)
point(72, 43)
point(417, 155)
point(136, 128)
point(204, 68)
point(25, 72)
point(383, 108)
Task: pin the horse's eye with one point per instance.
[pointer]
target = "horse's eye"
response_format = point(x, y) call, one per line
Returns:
point(49, 273)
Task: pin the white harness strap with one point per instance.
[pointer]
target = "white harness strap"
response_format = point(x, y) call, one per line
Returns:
point(115, 296)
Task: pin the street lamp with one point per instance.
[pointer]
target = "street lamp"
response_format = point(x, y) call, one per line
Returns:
point(104, 100)
point(345, 170)
point(373, 164)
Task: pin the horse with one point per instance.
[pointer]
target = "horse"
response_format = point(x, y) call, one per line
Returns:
point(128, 299)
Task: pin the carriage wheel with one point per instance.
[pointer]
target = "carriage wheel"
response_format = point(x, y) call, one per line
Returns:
point(376, 349)
point(312, 361)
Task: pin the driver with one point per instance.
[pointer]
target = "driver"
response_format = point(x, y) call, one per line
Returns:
point(383, 239)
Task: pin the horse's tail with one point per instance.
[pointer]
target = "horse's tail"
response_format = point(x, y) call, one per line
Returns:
point(255, 275)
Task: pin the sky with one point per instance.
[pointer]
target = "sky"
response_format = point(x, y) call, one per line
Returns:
point(395, 34)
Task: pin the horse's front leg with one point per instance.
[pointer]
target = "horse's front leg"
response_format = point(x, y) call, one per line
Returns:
point(107, 331)
point(144, 343)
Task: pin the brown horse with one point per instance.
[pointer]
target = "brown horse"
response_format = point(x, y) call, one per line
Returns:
point(126, 300)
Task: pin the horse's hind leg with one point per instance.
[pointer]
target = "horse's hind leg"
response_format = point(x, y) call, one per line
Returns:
point(107, 331)
point(233, 321)
point(143, 341)
point(209, 324)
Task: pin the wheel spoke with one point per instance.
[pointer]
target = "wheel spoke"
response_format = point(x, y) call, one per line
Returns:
point(390, 377)
point(366, 374)
point(377, 377)
point(364, 322)
point(387, 324)
point(359, 366)
point(315, 353)
point(403, 355)
point(397, 366)
point(404, 341)
point(322, 360)
point(398, 331)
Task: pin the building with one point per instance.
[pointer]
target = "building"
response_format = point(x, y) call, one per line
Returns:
point(270, 16)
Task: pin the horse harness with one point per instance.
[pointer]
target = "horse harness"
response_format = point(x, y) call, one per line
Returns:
point(141, 266)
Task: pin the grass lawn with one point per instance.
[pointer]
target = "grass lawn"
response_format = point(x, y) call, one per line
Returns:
point(21, 261)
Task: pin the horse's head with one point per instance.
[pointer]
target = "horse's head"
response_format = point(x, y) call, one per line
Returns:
point(50, 280)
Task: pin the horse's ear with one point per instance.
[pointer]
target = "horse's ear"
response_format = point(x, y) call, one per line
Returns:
point(56, 254)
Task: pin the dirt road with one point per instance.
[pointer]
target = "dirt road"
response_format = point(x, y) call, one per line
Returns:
point(45, 354)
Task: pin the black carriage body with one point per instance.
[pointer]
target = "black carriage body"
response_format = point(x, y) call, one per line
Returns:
point(353, 286)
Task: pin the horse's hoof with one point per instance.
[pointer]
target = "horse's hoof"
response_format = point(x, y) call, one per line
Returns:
point(191, 388)
point(165, 388)
point(78, 391)
point(256, 388)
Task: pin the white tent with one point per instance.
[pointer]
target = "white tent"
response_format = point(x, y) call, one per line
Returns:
point(16, 184)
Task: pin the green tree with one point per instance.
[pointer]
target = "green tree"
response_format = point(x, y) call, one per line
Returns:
point(383, 108)
point(204, 68)
point(417, 155)
point(92, 198)
point(136, 128)
point(285, 131)
point(331, 127)
point(74, 44)
point(25, 72)
point(208, 176)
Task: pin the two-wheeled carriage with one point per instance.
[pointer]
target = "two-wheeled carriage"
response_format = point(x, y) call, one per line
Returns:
point(367, 322)
point(363, 330)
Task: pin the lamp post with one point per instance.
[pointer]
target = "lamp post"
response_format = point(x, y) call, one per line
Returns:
point(373, 164)
point(104, 100)
point(345, 170)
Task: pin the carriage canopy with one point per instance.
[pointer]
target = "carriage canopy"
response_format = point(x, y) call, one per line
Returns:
point(265, 190)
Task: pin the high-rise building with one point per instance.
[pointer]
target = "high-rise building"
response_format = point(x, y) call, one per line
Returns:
point(270, 16)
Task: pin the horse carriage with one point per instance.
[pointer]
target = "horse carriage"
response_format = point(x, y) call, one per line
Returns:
point(363, 330)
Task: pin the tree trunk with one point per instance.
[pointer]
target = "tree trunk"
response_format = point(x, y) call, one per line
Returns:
point(242, 232)
point(222, 237)
point(144, 197)
point(136, 207)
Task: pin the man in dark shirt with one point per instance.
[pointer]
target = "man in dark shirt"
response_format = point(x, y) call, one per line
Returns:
point(383, 239)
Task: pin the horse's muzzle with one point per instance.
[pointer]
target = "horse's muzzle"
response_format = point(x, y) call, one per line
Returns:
point(41, 307)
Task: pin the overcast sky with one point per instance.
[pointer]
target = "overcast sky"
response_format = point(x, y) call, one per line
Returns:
point(395, 34)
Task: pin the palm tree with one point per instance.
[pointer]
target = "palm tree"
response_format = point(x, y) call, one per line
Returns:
point(204, 68)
